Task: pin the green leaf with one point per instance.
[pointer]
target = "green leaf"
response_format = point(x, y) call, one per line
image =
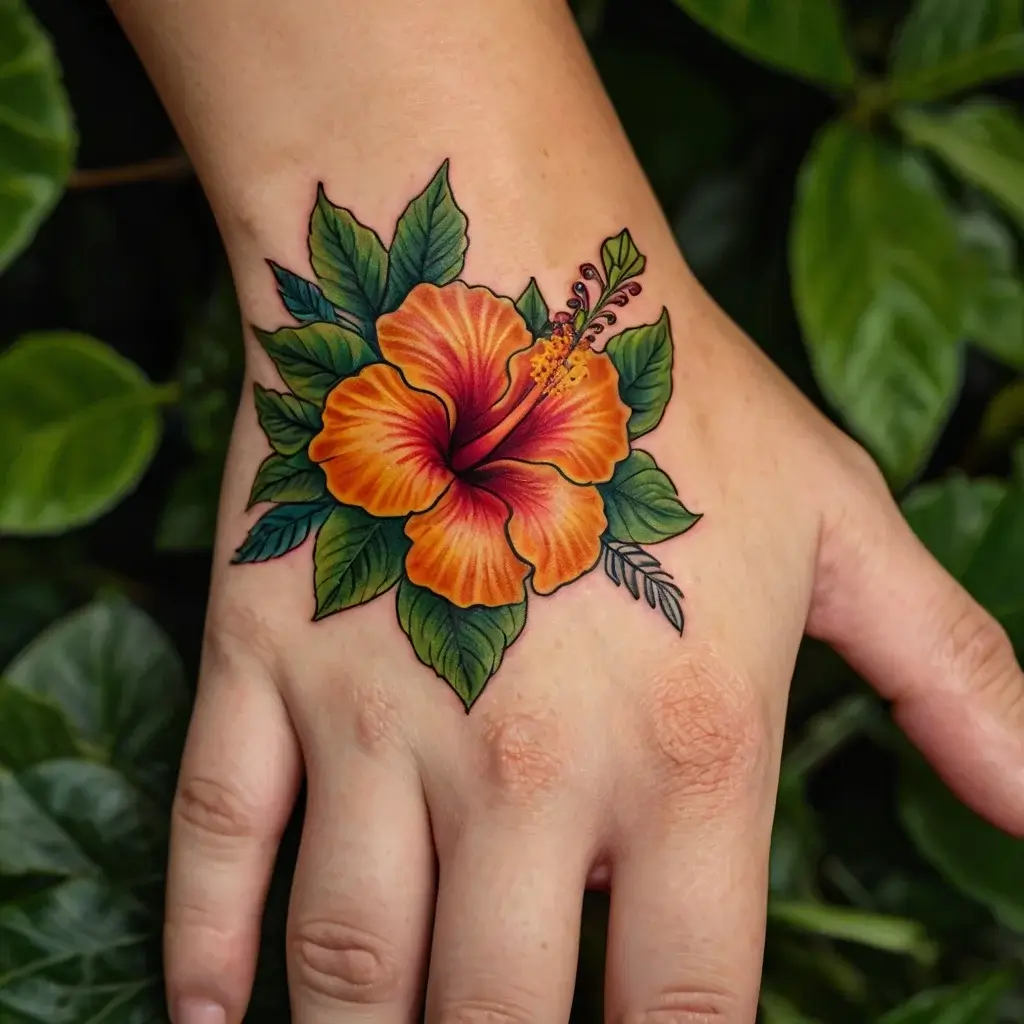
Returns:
point(877, 284)
point(803, 37)
point(290, 423)
point(974, 1002)
point(303, 299)
point(37, 136)
point(430, 241)
point(1004, 417)
point(777, 1009)
point(312, 359)
point(79, 426)
point(350, 263)
point(281, 530)
point(188, 521)
point(641, 502)
point(464, 646)
point(982, 141)
point(976, 857)
point(32, 728)
point(643, 358)
point(622, 260)
point(643, 576)
point(946, 46)
point(357, 558)
point(290, 478)
point(533, 309)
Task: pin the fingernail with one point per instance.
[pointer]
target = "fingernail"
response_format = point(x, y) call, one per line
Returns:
point(199, 1011)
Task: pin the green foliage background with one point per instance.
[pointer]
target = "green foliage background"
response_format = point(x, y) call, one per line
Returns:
point(847, 180)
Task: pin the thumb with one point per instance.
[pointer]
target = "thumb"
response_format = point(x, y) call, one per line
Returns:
point(906, 625)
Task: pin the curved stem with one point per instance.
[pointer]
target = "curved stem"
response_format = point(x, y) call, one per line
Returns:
point(163, 168)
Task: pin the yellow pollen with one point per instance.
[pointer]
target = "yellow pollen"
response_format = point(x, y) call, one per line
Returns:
point(558, 365)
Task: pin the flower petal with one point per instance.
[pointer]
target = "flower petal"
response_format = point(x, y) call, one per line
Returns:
point(455, 342)
point(460, 549)
point(382, 445)
point(556, 525)
point(581, 430)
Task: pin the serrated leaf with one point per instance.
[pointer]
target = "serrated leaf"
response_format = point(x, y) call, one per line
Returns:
point(622, 260)
point(303, 299)
point(289, 422)
point(312, 359)
point(430, 241)
point(641, 503)
point(291, 478)
point(877, 282)
point(357, 558)
point(804, 37)
point(281, 530)
point(464, 646)
point(643, 358)
point(32, 729)
point(533, 309)
point(350, 263)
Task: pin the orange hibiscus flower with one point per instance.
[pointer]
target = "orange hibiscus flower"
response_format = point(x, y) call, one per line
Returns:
point(489, 441)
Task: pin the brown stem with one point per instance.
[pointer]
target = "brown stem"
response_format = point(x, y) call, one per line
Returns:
point(162, 168)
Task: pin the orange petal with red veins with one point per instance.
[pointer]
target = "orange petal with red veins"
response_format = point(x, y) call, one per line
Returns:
point(455, 342)
point(556, 525)
point(382, 445)
point(460, 549)
point(582, 430)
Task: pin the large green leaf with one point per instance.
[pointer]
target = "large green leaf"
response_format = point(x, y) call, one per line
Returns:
point(312, 359)
point(32, 728)
point(643, 358)
point(350, 263)
point(974, 1002)
point(877, 273)
point(78, 427)
point(804, 37)
point(464, 646)
point(982, 141)
point(281, 530)
point(357, 558)
point(37, 137)
point(945, 46)
point(430, 241)
point(289, 422)
point(641, 502)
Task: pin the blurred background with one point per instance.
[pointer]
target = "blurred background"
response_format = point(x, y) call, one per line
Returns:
point(848, 181)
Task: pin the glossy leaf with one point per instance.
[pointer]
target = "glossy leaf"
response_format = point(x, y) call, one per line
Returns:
point(290, 423)
point(982, 141)
point(641, 502)
point(533, 309)
point(32, 729)
point(79, 426)
point(643, 358)
point(350, 263)
point(37, 136)
point(621, 259)
point(877, 284)
point(281, 530)
point(974, 1002)
point(803, 37)
point(464, 646)
point(430, 241)
point(312, 359)
point(357, 558)
point(303, 299)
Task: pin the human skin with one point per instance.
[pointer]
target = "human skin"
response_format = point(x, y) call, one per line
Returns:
point(607, 750)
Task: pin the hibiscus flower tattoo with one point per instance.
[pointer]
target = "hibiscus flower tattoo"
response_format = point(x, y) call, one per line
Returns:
point(471, 451)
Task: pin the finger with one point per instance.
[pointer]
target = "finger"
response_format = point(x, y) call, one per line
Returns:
point(506, 934)
point(237, 786)
point(903, 622)
point(359, 922)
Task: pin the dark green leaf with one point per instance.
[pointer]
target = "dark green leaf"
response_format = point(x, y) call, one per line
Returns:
point(312, 359)
point(281, 530)
point(350, 263)
point(37, 136)
point(357, 558)
point(79, 426)
point(622, 260)
point(430, 241)
point(32, 728)
point(464, 646)
point(982, 141)
point(877, 281)
point(533, 309)
point(303, 299)
point(642, 574)
point(641, 503)
point(804, 37)
point(288, 479)
point(290, 423)
point(643, 358)
point(188, 521)
point(974, 1002)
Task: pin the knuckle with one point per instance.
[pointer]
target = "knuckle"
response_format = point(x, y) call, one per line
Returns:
point(236, 637)
point(213, 809)
point(525, 755)
point(345, 963)
point(485, 1011)
point(687, 1006)
point(977, 648)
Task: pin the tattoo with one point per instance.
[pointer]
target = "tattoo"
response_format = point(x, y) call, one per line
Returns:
point(457, 445)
